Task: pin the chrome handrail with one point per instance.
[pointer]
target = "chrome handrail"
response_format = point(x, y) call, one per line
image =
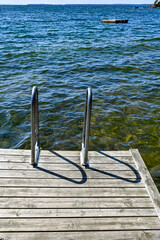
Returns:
point(35, 150)
point(86, 128)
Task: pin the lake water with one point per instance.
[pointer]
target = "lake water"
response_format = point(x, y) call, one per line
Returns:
point(65, 49)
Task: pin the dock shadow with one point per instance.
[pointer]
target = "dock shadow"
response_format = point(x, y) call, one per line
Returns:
point(83, 173)
point(137, 175)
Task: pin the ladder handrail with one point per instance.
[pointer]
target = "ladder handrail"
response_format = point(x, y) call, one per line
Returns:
point(35, 149)
point(86, 128)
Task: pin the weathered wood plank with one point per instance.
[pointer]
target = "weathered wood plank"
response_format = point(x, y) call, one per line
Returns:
point(73, 192)
point(109, 153)
point(26, 152)
point(82, 174)
point(17, 152)
point(47, 213)
point(79, 224)
point(63, 153)
point(91, 235)
point(66, 160)
point(21, 182)
point(83, 203)
point(49, 159)
point(67, 167)
point(151, 187)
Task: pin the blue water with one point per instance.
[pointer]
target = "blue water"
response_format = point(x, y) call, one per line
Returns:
point(65, 49)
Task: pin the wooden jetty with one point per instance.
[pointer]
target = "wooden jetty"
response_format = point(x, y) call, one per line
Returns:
point(115, 21)
point(113, 198)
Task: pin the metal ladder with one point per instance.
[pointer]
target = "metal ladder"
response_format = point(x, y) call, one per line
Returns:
point(35, 144)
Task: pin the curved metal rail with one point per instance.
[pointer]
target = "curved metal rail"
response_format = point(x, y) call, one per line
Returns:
point(86, 128)
point(35, 150)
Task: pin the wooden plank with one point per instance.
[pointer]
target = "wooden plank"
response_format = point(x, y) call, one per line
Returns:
point(63, 153)
point(42, 159)
point(48, 213)
point(67, 167)
point(26, 152)
point(70, 175)
point(91, 235)
point(6, 151)
point(21, 182)
point(66, 160)
point(83, 203)
point(151, 187)
point(110, 159)
point(109, 153)
point(72, 192)
point(79, 224)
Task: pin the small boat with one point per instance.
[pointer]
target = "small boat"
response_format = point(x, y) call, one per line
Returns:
point(115, 21)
